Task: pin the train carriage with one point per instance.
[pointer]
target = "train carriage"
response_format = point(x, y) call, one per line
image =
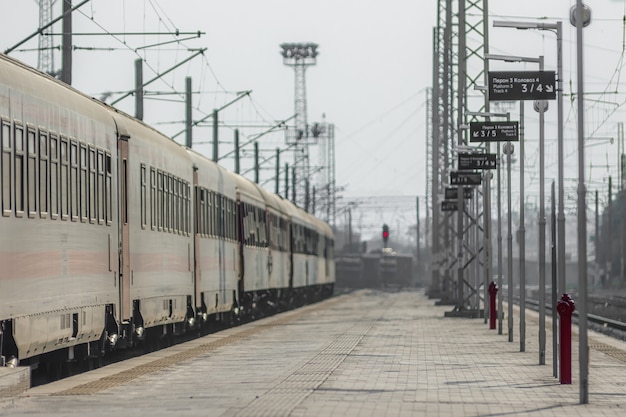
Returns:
point(216, 250)
point(304, 270)
point(59, 220)
point(156, 240)
point(325, 259)
point(254, 259)
point(279, 256)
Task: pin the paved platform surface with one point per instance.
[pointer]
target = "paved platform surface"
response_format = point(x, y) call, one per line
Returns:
point(367, 353)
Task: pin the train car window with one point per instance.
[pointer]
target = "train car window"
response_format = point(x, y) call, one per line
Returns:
point(92, 185)
point(159, 202)
point(170, 203)
point(83, 183)
point(74, 179)
point(225, 221)
point(6, 172)
point(31, 171)
point(252, 225)
point(165, 211)
point(213, 214)
point(224, 217)
point(181, 207)
point(244, 223)
point(19, 170)
point(54, 176)
point(187, 208)
point(142, 196)
point(210, 212)
point(216, 215)
point(219, 219)
point(178, 202)
point(124, 191)
point(233, 219)
point(264, 238)
point(108, 197)
point(262, 228)
point(199, 212)
point(231, 222)
point(43, 174)
point(100, 199)
point(153, 195)
point(63, 185)
point(173, 204)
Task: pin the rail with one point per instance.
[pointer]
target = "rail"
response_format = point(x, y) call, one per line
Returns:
point(603, 321)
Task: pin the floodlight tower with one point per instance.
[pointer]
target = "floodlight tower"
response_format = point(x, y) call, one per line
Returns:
point(45, 55)
point(300, 56)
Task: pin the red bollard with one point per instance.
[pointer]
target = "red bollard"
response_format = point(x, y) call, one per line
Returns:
point(566, 308)
point(493, 290)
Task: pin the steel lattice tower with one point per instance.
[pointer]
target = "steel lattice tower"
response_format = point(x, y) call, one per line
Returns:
point(45, 55)
point(459, 47)
point(300, 56)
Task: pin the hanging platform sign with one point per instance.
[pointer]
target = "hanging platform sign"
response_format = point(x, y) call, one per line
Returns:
point(465, 178)
point(494, 131)
point(450, 193)
point(522, 85)
point(449, 205)
point(469, 161)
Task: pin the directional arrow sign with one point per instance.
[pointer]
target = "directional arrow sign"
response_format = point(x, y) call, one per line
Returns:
point(522, 85)
point(449, 205)
point(465, 178)
point(494, 131)
point(477, 161)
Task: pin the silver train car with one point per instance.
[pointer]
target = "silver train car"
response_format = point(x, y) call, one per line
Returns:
point(113, 235)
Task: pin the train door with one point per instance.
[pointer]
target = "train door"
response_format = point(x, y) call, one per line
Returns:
point(196, 244)
point(221, 243)
point(124, 247)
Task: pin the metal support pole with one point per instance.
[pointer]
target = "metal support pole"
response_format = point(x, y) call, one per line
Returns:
point(215, 137)
point(541, 107)
point(522, 238)
point(256, 162)
point(139, 89)
point(417, 234)
point(66, 70)
point(555, 340)
point(460, 305)
point(287, 181)
point(237, 167)
point(188, 113)
point(293, 185)
point(277, 182)
point(583, 349)
point(499, 238)
point(509, 240)
point(561, 214)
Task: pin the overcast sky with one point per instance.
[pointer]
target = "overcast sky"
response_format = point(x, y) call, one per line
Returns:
point(372, 73)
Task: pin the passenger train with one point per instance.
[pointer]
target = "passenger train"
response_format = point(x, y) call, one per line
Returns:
point(112, 234)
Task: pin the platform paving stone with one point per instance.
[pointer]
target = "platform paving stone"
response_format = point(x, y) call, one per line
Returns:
point(366, 353)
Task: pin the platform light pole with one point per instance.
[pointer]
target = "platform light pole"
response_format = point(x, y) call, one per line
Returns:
point(557, 28)
point(580, 17)
point(488, 115)
point(522, 237)
point(300, 56)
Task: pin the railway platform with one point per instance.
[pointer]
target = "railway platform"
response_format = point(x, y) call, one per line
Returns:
point(365, 353)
